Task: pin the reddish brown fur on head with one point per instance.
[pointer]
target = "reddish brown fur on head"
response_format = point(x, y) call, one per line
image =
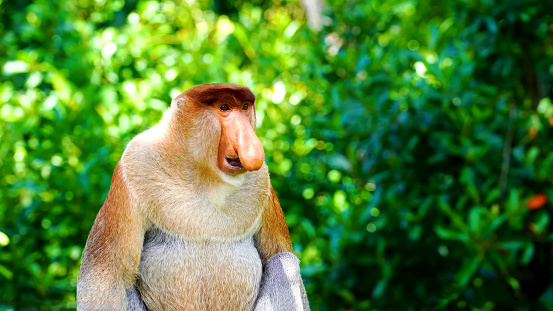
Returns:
point(239, 149)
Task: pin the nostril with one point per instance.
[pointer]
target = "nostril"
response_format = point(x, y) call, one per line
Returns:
point(234, 162)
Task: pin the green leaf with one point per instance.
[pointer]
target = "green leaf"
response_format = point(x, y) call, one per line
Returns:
point(532, 154)
point(6, 272)
point(475, 216)
point(495, 224)
point(547, 298)
point(515, 285)
point(512, 245)
point(467, 271)
point(380, 288)
point(542, 221)
point(528, 253)
point(448, 234)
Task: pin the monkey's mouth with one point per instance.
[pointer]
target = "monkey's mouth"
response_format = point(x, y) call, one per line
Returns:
point(234, 162)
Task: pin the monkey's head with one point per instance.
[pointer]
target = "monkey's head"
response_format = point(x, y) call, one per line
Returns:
point(217, 121)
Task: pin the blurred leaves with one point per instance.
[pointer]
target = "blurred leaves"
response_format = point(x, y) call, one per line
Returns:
point(409, 142)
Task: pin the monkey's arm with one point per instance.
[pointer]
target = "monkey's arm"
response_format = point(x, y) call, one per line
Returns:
point(281, 284)
point(112, 252)
point(273, 236)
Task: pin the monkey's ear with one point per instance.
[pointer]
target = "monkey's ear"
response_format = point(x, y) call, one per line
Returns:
point(178, 101)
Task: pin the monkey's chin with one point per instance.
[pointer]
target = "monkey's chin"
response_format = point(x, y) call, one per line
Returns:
point(233, 176)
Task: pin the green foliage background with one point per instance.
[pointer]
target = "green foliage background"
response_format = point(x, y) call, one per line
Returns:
point(404, 138)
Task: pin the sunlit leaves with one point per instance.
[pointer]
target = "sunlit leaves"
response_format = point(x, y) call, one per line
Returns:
point(385, 131)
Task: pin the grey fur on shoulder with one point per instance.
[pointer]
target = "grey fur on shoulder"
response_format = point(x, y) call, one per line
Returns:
point(281, 286)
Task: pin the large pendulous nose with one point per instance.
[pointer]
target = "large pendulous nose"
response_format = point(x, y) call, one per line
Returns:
point(247, 144)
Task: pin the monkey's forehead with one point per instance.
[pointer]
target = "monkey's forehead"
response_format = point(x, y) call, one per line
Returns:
point(216, 92)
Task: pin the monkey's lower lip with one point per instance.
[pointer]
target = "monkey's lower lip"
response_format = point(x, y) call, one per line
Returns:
point(234, 162)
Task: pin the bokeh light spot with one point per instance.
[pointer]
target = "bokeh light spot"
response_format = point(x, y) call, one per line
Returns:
point(371, 227)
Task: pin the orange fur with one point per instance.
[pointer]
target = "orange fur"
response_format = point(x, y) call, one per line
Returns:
point(273, 236)
point(114, 246)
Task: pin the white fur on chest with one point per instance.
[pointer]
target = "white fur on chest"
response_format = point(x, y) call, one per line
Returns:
point(178, 274)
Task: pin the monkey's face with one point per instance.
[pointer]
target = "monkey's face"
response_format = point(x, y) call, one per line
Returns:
point(225, 113)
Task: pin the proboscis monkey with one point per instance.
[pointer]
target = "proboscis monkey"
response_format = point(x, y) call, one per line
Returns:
point(191, 221)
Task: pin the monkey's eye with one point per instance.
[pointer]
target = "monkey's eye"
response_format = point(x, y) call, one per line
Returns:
point(224, 107)
point(245, 107)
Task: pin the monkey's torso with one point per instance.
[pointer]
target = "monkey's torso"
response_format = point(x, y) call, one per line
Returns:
point(176, 274)
point(209, 261)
